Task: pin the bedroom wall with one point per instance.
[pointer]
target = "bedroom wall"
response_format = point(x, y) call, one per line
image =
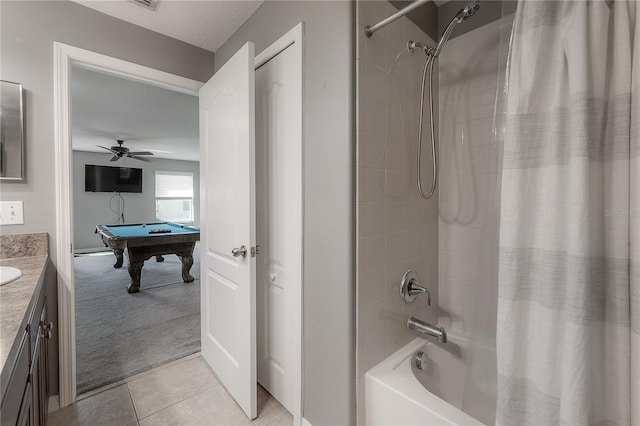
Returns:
point(92, 208)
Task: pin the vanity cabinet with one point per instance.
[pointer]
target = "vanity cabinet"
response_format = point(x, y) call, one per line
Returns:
point(25, 397)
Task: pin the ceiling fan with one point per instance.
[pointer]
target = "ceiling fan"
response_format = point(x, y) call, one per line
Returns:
point(120, 151)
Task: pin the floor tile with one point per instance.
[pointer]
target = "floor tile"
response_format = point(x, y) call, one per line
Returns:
point(284, 420)
point(111, 407)
point(269, 409)
point(138, 376)
point(168, 386)
point(212, 407)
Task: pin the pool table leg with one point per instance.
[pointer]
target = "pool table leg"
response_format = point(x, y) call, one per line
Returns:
point(135, 272)
point(187, 263)
point(119, 257)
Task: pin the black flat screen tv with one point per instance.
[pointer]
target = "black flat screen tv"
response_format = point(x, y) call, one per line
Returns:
point(112, 179)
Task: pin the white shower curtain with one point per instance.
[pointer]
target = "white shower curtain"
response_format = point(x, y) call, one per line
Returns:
point(569, 281)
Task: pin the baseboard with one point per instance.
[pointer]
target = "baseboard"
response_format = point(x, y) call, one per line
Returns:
point(91, 250)
point(305, 422)
point(54, 403)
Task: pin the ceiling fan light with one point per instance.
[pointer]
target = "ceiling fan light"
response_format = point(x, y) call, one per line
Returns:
point(120, 151)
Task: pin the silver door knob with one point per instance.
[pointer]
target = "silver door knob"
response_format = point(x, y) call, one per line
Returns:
point(237, 252)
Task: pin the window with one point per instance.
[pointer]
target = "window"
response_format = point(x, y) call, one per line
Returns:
point(174, 196)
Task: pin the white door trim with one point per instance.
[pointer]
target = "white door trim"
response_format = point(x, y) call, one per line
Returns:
point(294, 40)
point(64, 57)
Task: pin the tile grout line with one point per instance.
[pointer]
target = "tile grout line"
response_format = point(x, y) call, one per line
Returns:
point(133, 378)
point(182, 400)
point(276, 419)
point(135, 411)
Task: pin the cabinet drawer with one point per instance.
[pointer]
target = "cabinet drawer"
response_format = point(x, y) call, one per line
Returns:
point(17, 383)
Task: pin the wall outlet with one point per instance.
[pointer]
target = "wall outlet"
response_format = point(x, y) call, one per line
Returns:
point(11, 213)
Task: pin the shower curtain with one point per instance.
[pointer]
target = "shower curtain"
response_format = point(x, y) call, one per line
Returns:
point(569, 273)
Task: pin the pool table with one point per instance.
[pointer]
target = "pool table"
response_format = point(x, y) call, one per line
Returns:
point(146, 240)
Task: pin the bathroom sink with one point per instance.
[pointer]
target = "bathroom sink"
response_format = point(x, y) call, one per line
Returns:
point(8, 274)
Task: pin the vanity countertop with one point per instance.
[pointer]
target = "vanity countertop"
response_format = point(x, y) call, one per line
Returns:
point(16, 298)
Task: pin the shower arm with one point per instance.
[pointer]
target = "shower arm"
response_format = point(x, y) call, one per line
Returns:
point(370, 29)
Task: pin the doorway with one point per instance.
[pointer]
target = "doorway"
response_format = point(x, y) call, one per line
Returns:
point(278, 201)
point(65, 57)
point(135, 164)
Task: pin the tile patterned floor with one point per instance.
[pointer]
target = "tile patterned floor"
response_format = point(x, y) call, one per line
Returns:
point(184, 392)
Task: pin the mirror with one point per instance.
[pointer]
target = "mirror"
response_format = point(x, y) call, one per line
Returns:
point(11, 132)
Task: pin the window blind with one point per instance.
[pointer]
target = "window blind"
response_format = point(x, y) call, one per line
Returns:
point(174, 185)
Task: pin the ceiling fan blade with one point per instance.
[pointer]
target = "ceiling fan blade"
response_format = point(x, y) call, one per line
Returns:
point(108, 149)
point(115, 158)
point(141, 153)
point(139, 158)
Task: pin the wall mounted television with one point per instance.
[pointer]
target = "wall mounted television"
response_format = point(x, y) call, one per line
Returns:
point(112, 179)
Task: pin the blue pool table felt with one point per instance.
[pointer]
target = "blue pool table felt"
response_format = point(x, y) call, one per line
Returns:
point(143, 230)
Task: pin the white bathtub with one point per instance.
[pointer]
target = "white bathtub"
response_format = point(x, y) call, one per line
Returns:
point(395, 396)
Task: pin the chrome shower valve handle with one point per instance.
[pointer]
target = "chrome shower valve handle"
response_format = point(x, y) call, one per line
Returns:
point(410, 288)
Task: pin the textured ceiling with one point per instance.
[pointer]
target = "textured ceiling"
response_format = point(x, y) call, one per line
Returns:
point(105, 108)
point(205, 23)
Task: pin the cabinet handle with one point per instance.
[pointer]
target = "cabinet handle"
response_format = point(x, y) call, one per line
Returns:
point(46, 330)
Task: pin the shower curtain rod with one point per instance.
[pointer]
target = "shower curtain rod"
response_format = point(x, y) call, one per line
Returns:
point(370, 29)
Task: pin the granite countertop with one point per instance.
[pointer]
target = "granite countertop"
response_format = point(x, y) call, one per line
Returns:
point(15, 298)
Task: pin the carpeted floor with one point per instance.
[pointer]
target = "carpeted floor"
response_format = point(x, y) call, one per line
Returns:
point(120, 334)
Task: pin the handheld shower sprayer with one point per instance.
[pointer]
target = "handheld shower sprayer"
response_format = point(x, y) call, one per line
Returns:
point(432, 53)
point(463, 15)
point(468, 11)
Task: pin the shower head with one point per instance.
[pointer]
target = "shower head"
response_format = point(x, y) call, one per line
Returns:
point(463, 15)
point(467, 12)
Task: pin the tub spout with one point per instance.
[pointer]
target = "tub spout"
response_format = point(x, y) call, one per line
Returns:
point(428, 329)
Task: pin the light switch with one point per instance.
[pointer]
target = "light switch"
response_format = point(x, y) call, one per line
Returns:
point(11, 213)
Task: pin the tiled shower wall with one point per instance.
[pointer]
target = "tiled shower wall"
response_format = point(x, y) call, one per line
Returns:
point(397, 230)
point(472, 111)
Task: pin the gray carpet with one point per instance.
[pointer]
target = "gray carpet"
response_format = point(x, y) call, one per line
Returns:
point(120, 334)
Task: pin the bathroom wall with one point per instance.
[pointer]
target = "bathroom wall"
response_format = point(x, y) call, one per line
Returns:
point(397, 230)
point(328, 164)
point(472, 69)
point(27, 32)
point(92, 208)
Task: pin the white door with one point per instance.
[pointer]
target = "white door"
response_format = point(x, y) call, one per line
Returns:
point(278, 192)
point(228, 280)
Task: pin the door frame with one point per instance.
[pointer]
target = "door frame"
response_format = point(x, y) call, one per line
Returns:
point(294, 39)
point(66, 56)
